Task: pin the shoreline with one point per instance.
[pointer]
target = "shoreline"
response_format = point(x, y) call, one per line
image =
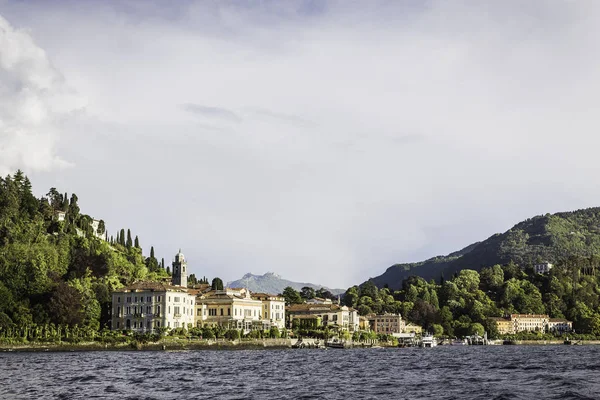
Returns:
point(187, 345)
point(166, 345)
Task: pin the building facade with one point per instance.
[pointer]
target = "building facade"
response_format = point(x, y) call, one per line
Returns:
point(179, 270)
point(387, 324)
point(559, 325)
point(145, 307)
point(331, 315)
point(542, 268)
point(516, 323)
point(273, 309)
point(230, 308)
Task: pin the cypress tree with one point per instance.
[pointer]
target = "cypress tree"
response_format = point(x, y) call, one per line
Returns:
point(162, 264)
point(151, 251)
point(129, 241)
point(122, 237)
point(137, 242)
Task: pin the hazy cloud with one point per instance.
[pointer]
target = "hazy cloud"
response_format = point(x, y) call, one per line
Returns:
point(358, 135)
point(212, 112)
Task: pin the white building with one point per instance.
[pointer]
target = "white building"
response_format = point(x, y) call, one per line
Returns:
point(147, 306)
point(559, 325)
point(542, 268)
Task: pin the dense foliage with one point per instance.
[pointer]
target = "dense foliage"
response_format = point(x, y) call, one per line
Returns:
point(56, 276)
point(555, 238)
point(464, 304)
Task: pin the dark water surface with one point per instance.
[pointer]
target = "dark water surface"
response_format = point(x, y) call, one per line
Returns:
point(446, 372)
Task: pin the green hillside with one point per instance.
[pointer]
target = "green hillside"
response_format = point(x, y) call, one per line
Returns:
point(555, 238)
point(56, 269)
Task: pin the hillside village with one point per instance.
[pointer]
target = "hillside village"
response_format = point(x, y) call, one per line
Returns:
point(63, 277)
point(151, 307)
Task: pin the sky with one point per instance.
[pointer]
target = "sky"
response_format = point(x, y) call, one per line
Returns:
point(323, 141)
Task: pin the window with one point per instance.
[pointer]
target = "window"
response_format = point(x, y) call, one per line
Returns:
point(141, 299)
point(149, 299)
point(135, 299)
point(118, 299)
point(198, 312)
point(177, 299)
point(169, 299)
point(158, 310)
point(176, 310)
point(129, 299)
point(169, 310)
point(148, 324)
point(157, 298)
point(212, 312)
point(128, 310)
point(221, 311)
point(228, 311)
point(149, 309)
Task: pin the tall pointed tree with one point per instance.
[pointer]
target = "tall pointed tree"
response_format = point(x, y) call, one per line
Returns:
point(136, 242)
point(129, 241)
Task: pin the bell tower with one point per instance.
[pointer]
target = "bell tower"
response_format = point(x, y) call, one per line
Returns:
point(179, 270)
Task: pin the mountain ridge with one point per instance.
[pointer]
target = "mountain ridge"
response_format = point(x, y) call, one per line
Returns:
point(548, 237)
point(273, 283)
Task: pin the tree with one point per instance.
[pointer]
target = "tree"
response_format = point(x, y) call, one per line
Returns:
point(217, 284)
point(136, 243)
point(122, 237)
point(307, 293)
point(274, 332)
point(129, 242)
point(101, 227)
point(65, 305)
point(291, 296)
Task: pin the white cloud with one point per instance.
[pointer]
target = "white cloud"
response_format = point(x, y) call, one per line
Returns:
point(32, 99)
point(324, 144)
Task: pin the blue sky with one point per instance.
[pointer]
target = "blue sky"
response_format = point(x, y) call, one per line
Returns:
point(323, 141)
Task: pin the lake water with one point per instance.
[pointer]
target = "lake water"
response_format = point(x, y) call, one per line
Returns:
point(445, 372)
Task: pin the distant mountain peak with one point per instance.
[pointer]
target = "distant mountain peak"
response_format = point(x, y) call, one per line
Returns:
point(273, 283)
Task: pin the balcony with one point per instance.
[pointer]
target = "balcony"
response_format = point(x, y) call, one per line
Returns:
point(177, 315)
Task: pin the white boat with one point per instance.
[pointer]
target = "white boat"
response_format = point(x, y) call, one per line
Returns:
point(428, 341)
point(459, 342)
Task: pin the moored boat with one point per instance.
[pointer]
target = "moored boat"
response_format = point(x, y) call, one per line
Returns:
point(428, 341)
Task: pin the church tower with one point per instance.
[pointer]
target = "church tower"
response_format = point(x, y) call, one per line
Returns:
point(179, 270)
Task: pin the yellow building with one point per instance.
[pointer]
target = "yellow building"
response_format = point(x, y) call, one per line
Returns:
point(332, 315)
point(388, 323)
point(273, 308)
point(516, 323)
point(412, 328)
point(504, 326)
point(231, 308)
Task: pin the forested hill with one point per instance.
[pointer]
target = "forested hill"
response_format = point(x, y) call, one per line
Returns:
point(555, 238)
point(56, 268)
